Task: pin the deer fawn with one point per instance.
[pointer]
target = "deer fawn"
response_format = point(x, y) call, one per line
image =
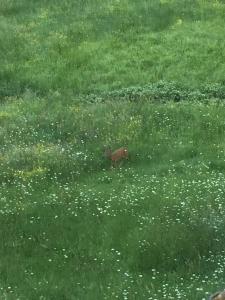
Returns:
point(116, 155)
point(218, 296)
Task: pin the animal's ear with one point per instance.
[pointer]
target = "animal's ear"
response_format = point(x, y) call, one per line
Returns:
point(107, 148)
point(106, 151)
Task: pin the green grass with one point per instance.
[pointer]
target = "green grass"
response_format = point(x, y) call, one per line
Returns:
point(74, 78)
point(94, 46)
point(72, 228)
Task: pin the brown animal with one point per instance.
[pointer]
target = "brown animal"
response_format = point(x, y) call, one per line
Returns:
point(116, 155)
point(218, 296)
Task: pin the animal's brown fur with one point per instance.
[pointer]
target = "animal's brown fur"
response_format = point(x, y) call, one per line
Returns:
point(116, 155)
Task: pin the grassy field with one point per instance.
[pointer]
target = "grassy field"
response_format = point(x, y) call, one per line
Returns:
point(73, 228)
point(77, 76)
point(85, 46)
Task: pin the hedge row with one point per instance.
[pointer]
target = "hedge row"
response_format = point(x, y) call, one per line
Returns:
point(161, 92)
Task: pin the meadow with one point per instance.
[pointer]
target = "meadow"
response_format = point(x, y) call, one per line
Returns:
point(77, 76)
point(94, 46)
point(73, 228)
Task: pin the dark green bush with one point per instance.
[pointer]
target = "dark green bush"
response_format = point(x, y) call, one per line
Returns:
point(160, 92)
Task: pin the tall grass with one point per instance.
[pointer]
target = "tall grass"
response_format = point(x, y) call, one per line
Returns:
point(72, 228)
point(70, 137)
